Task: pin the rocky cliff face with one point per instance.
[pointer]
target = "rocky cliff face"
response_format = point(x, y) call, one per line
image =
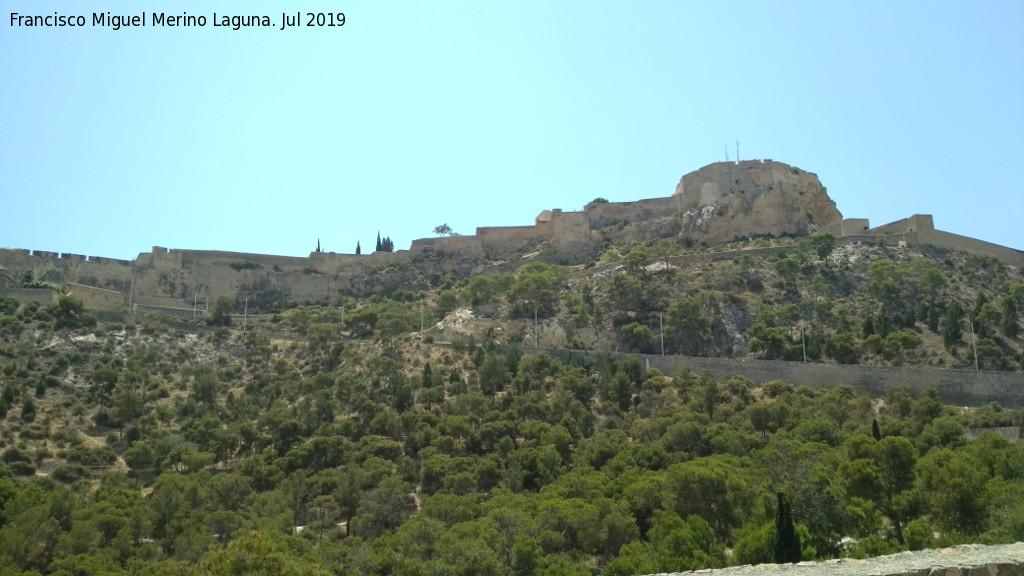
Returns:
point(725, 201)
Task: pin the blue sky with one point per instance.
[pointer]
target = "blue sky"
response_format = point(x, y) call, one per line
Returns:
point(415, 114)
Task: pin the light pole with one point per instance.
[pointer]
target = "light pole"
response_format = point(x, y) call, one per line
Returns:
point(661, 328)
point(974, 339)
point(536, 338)
point(803, 343)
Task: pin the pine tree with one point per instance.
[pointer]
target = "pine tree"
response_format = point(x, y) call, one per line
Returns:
point(359, 250)
point(787, 541)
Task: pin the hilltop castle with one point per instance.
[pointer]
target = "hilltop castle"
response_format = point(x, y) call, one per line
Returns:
point(716, 204)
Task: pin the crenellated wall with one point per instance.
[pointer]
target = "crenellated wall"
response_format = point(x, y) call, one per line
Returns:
point(718, 203)
point(920, 229)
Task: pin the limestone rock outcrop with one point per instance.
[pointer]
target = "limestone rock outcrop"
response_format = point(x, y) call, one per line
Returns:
point(718, 203)
point(726, 200)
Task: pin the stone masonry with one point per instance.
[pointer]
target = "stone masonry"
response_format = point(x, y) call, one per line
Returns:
point(718, 203)
point(967, 560)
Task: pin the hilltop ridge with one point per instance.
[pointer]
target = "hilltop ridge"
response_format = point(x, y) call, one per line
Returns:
point(718, 203)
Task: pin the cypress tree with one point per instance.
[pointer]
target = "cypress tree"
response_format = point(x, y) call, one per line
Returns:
point(868, 328)
point(1009, 324)
point(874, 429)
point(952, 325)
point(428, 376)
point(359, 250)
point(787, 541)
point(379, 245)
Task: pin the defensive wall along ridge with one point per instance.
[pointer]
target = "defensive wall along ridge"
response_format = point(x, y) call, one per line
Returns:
point(957, 387)
point(718, 203)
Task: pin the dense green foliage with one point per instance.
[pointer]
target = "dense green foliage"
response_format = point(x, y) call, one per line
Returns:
point(334, 440)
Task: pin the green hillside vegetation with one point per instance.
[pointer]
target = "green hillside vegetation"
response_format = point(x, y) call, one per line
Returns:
point(852, 303)
point(337, 440)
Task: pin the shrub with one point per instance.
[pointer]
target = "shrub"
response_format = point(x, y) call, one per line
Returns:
point(22, 468)
point(70, 473)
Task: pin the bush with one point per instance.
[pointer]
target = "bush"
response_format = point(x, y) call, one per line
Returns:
point(28, 410)
point(22, 468)
point(8, 305)
point(15, 454)
point(70, 313)
point(88, 457)
point(70, 473)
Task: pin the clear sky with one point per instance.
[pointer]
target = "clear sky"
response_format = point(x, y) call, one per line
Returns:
point(472, 113)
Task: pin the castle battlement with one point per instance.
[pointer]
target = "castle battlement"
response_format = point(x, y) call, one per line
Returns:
point(715, 204)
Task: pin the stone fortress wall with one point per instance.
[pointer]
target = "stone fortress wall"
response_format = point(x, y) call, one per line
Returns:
point(715, 204)
point(918, 230)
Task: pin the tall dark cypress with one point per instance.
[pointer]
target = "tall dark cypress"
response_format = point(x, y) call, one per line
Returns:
point(359, 250)
point(787, 541)
point(874, 429)
point(378, 242)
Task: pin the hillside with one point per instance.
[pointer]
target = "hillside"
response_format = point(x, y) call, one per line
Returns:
point(341, 440)
point(852, 303)
point(720, 203)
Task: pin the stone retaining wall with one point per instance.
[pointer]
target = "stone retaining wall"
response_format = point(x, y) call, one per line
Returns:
point(969, 388)
point(968, 560)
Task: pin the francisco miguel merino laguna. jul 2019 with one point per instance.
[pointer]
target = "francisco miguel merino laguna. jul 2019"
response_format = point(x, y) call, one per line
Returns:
point(164, 20)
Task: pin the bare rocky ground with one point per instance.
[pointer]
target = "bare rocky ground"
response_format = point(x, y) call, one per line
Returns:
point(966, 560)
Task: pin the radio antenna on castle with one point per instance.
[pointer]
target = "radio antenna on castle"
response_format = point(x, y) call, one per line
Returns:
point(726, 146)
point(737, 151)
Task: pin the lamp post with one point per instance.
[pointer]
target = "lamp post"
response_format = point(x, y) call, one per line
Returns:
point(803, 342)
point(974, 339)
point(661, 328)
point(536, 338)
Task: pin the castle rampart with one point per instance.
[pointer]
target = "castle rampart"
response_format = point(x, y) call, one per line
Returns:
point(503, 241)
point(951, 241)
point(714, 204)
point(919, 229)
point(95, 298)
